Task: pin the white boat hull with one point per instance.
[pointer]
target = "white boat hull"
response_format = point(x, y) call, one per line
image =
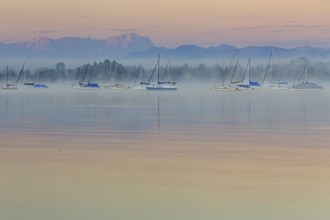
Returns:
point(9, 87)
point(307, 86)
point(162, 87)
point(139, 87)
point(224, 88)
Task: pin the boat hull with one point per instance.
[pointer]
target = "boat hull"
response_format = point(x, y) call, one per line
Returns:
point(160, 88)
point(89, 86)
point(86, 88)
point(139, 88)
point(9, 87)
point(282, 86)
point(40, 86)
point(307, 86)
point(224, 88)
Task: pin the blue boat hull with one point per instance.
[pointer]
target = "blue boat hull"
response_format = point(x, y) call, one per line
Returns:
point(43, 86)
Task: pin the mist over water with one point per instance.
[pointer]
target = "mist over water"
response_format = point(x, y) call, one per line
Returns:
point(188, 154)
point(145, 111)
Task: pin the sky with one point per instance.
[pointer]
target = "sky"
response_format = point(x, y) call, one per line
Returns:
point(170, 23)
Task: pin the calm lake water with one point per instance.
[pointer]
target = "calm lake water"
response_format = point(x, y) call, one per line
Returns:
point(187, 154)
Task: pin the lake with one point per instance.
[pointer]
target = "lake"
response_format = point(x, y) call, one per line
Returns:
point(188, 154)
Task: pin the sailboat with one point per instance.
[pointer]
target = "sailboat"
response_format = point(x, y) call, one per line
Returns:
point(274, 84)
point(9, 85)
point(141, 85)
point(83, 85)
point(305, 85)
point(254, 84)
point(27, 83)
point(277, 84)
point(240, 84)
point(231, 70)
point(161, 85)
point(113, 77)
point(232, 83)
point(257, 85)
point(245, 84)
point(39, 85)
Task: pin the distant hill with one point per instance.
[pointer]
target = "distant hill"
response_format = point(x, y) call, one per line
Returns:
point(133, 46)
point(76, 47)
point(225, 51)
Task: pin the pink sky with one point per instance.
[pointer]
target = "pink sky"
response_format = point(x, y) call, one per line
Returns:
point(170, 23)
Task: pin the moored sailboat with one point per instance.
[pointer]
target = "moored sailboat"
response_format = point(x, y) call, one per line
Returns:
point(305, 85)
point(272, 83)
point(83, 85)
point(39, 85)
point(161, 85)
point(141, 85)
point(113, 78)
point(231, 70)
point(11, 86)
point(245, 83)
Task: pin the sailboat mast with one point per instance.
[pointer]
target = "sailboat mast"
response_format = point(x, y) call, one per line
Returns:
point(271, 69)
point(115, 74)
point(234, 71)
point(110, 72)
point(305, 52)
point(278, 69)
point(270, 59)
point(78, 74)
point(7, 76)
point(306, 72)
point(235, 55)
point(20, 73)
point(24, 77)
point(249, 70)
point(231, 66)
point(165, 72)
point(137, 74)
point(153, 72)
point(85, 74)
point(158, 67)
point(140, 73)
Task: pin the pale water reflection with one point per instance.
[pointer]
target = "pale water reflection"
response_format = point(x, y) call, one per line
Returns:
point(169, 155)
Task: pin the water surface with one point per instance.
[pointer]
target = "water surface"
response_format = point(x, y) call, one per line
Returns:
point(72, 154)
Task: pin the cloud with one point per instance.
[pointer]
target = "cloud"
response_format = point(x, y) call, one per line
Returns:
point(212, 32)
point(278, 31)
point(285, 27)
point(291, 22)
point(135, 29)
point(94, 27)
point(309, 26)
point(249, 28)
point(46, 31)
point(83, 17)
point(157, 26)
point(122, 29)
point(114, 29)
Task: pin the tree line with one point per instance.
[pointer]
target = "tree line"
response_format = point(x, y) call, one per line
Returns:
point(107, 70)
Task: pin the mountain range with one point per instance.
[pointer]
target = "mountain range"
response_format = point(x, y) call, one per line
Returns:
point(134, 46)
